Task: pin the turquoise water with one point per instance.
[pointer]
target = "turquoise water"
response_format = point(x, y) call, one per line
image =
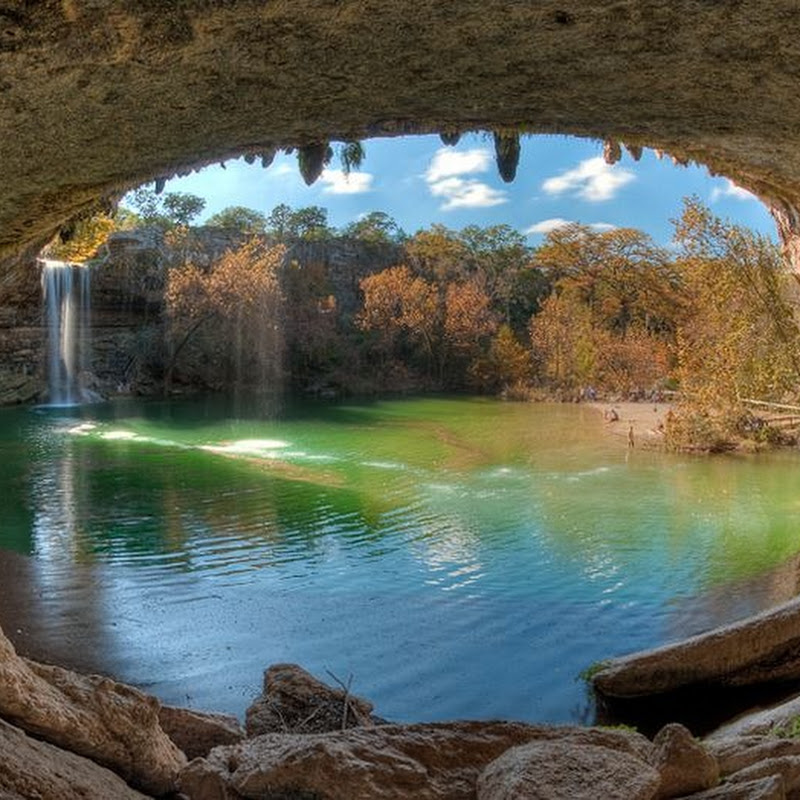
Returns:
point(457, 557)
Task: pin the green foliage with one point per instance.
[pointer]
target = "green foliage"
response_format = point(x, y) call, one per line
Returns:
point(351, 155)
point(377, 227)
point(167, 211)
point(238, 218)
point(789, 730)
point(587, 675)
point(309, 223)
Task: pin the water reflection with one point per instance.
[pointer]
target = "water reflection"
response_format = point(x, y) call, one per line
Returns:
point(422, 545)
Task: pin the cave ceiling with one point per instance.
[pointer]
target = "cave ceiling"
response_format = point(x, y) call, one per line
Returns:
point(99, 96)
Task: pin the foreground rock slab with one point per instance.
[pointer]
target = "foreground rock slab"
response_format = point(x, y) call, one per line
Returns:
point(437, 761)
point(761, 649)
point(34, 769)
point(108, 722)
point(780, 718)
point(294, 701)
point(549, 770)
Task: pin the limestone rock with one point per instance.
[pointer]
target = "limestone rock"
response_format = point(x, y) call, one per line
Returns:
point(787, 767)
point(770, 788)
point(198, 732)
point(774, 718)
point(684, 764)
point(294, 701)
point(436, 761)
point(108, 722)
point(34, 769)
point(739, 752)
point(555, 770)
point(758, 650)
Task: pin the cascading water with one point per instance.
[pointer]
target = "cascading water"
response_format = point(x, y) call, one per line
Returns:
point(66, 290)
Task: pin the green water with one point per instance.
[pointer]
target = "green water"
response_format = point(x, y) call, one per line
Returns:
point(458, 557)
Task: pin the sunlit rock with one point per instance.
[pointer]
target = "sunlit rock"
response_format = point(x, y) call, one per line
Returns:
point(108, 722)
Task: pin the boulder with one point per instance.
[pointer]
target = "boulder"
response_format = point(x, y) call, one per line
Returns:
point(770, 788)
point(739, 752)
point(561, 769)
point(436, 761)
point(758, 650)
point(199, 732)
point(777, 718)
point(34, 769)
point(108, 722)
point(685, 766)
point(294, 701)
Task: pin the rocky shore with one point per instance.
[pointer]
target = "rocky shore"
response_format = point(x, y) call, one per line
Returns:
point(66, 736)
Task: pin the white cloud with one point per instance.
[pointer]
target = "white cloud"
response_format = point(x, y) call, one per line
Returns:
point(546, 226)
point(448, 163)
point(467, 193)
point(591, 180)
point(444, 177)
point(336, 181)
point(730, 189)
point(602, 227)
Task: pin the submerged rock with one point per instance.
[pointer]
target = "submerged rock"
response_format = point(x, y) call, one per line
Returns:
point(436, 761)
point(199, 732)
point(108, 722)
point(563, 769)
point(34, 769)
point(294, 701)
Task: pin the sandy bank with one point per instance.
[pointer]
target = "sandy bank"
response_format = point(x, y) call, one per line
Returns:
point(644, 419)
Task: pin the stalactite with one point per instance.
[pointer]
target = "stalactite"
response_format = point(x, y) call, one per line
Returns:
point(450, 138)
point(312, 159)
point(612, 152)
point(507, 151)
point(635, 151)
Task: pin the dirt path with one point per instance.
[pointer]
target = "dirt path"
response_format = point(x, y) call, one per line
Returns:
point(642, 419)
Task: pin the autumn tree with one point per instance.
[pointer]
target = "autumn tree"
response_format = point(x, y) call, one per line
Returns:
point(82, 240)
point(231, 315)
point(738, 338)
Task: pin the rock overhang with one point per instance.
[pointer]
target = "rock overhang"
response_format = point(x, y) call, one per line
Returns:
point(97, 96)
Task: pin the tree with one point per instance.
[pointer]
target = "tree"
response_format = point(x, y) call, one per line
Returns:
point(84, 239)
point(377, 227)
point(309, 223)
point(181, 207)
point(238, 218)
point(167, 211)
point(232, 314)
point(738, 337)
point(401, 308)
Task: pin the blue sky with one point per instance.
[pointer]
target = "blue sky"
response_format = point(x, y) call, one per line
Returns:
point(419, 181)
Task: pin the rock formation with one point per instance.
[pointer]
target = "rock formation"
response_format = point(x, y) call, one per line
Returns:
point(98, 97)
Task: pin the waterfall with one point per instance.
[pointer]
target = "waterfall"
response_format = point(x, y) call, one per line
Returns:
point(66, 291)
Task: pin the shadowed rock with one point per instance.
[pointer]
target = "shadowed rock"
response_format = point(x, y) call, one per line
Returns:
point(108, 722)
point(199, 732)
point(762, 649)
point(33, 769)
point(780, 718)
point(771, 788)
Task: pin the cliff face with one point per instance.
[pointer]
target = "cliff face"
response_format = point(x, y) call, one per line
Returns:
point(127, 335)
point(96, 97)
